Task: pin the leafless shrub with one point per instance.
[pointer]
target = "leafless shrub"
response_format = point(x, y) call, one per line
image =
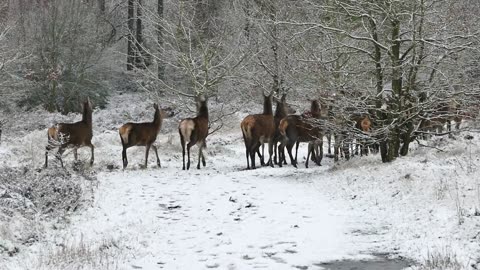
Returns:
point(441, 261)
point(27, 196)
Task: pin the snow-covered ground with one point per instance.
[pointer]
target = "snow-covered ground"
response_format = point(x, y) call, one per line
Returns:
point(421, 207)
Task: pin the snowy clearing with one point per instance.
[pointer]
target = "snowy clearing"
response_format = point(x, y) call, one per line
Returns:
point(275, 218)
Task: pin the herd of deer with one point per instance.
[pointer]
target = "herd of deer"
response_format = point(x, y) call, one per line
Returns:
point(279, 130)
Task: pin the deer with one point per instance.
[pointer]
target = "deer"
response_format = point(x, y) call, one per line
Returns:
point(364, 124)
point(194, 131)
point(258, 129)
point(281, 111)
point(301, 128)
point(142, 134)
point(74, 135)
point(444, 113)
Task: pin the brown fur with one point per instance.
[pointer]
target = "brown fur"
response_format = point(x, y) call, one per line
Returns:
point(296, 129)
point(258, 129)
point(195, 131)
point(281, 111)
point(142, 134)
point(303, 128)
point(364, 124)
point(74, 135)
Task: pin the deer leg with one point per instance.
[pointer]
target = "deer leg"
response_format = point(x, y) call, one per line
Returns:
point(289, 150)
point(182, 141)
point(270, 153)
point(204, 163)
point(275, 161)
point(59, 154)
point(147, 150)
point(311, 148)
point(320, 153)
point(47, 150)
point(92, 158)
point(296, 152)
point(280, 156)
point(124, 157)
point(252, 155)
point(188, 156)
point(156, 154)
point(75, 153)
point(247, 154)
point(261, 156)
point(200, 146)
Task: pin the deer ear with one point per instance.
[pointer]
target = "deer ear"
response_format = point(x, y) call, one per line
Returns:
point(284, 97)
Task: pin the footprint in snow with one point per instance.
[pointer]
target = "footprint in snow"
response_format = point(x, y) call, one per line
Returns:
point(214, 265)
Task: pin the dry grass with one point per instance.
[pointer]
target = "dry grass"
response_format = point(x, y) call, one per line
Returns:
point(446, 260)
point(81, 254)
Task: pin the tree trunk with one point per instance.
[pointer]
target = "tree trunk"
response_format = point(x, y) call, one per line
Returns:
point(381, 116)
point(160, 64)
point(101, 7)
point(139, 56)
point(276, 61)
point(130, 38)
point(397, 95)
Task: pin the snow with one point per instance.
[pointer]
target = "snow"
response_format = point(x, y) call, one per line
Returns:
point(226, 217)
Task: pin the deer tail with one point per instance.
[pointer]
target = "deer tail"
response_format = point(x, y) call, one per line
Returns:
point(52, 133)
point(186, 127)
point(282, 127)
point(124, 131)
point(246, 130)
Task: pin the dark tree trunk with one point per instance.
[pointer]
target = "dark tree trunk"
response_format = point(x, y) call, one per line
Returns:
point(398, 94)
point(381, 116)
point(130, 38)
point(139, 56)
point(101, 7)
point(160, 64)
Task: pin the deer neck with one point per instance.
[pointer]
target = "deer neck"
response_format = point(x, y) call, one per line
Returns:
point(203, 111)
point(280, 111)
point(87, 117)
point(157, 119)
point(267, 107)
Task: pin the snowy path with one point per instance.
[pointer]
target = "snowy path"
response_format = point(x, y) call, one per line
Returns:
point(201, 219)
point(225, 217)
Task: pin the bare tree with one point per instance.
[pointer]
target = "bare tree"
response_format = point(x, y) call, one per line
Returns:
point(130, 37)
point(160, 65)
point(396, 49)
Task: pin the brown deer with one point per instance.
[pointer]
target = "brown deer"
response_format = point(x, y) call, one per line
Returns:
point(296, 129)
point(281, 111)
point(74, 135)
point(258, 129)
point(364, 124)
point(142, 134)
point(444, 113)
point(195, 131)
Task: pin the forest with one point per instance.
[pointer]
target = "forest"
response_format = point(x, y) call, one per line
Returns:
point(386, 92)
